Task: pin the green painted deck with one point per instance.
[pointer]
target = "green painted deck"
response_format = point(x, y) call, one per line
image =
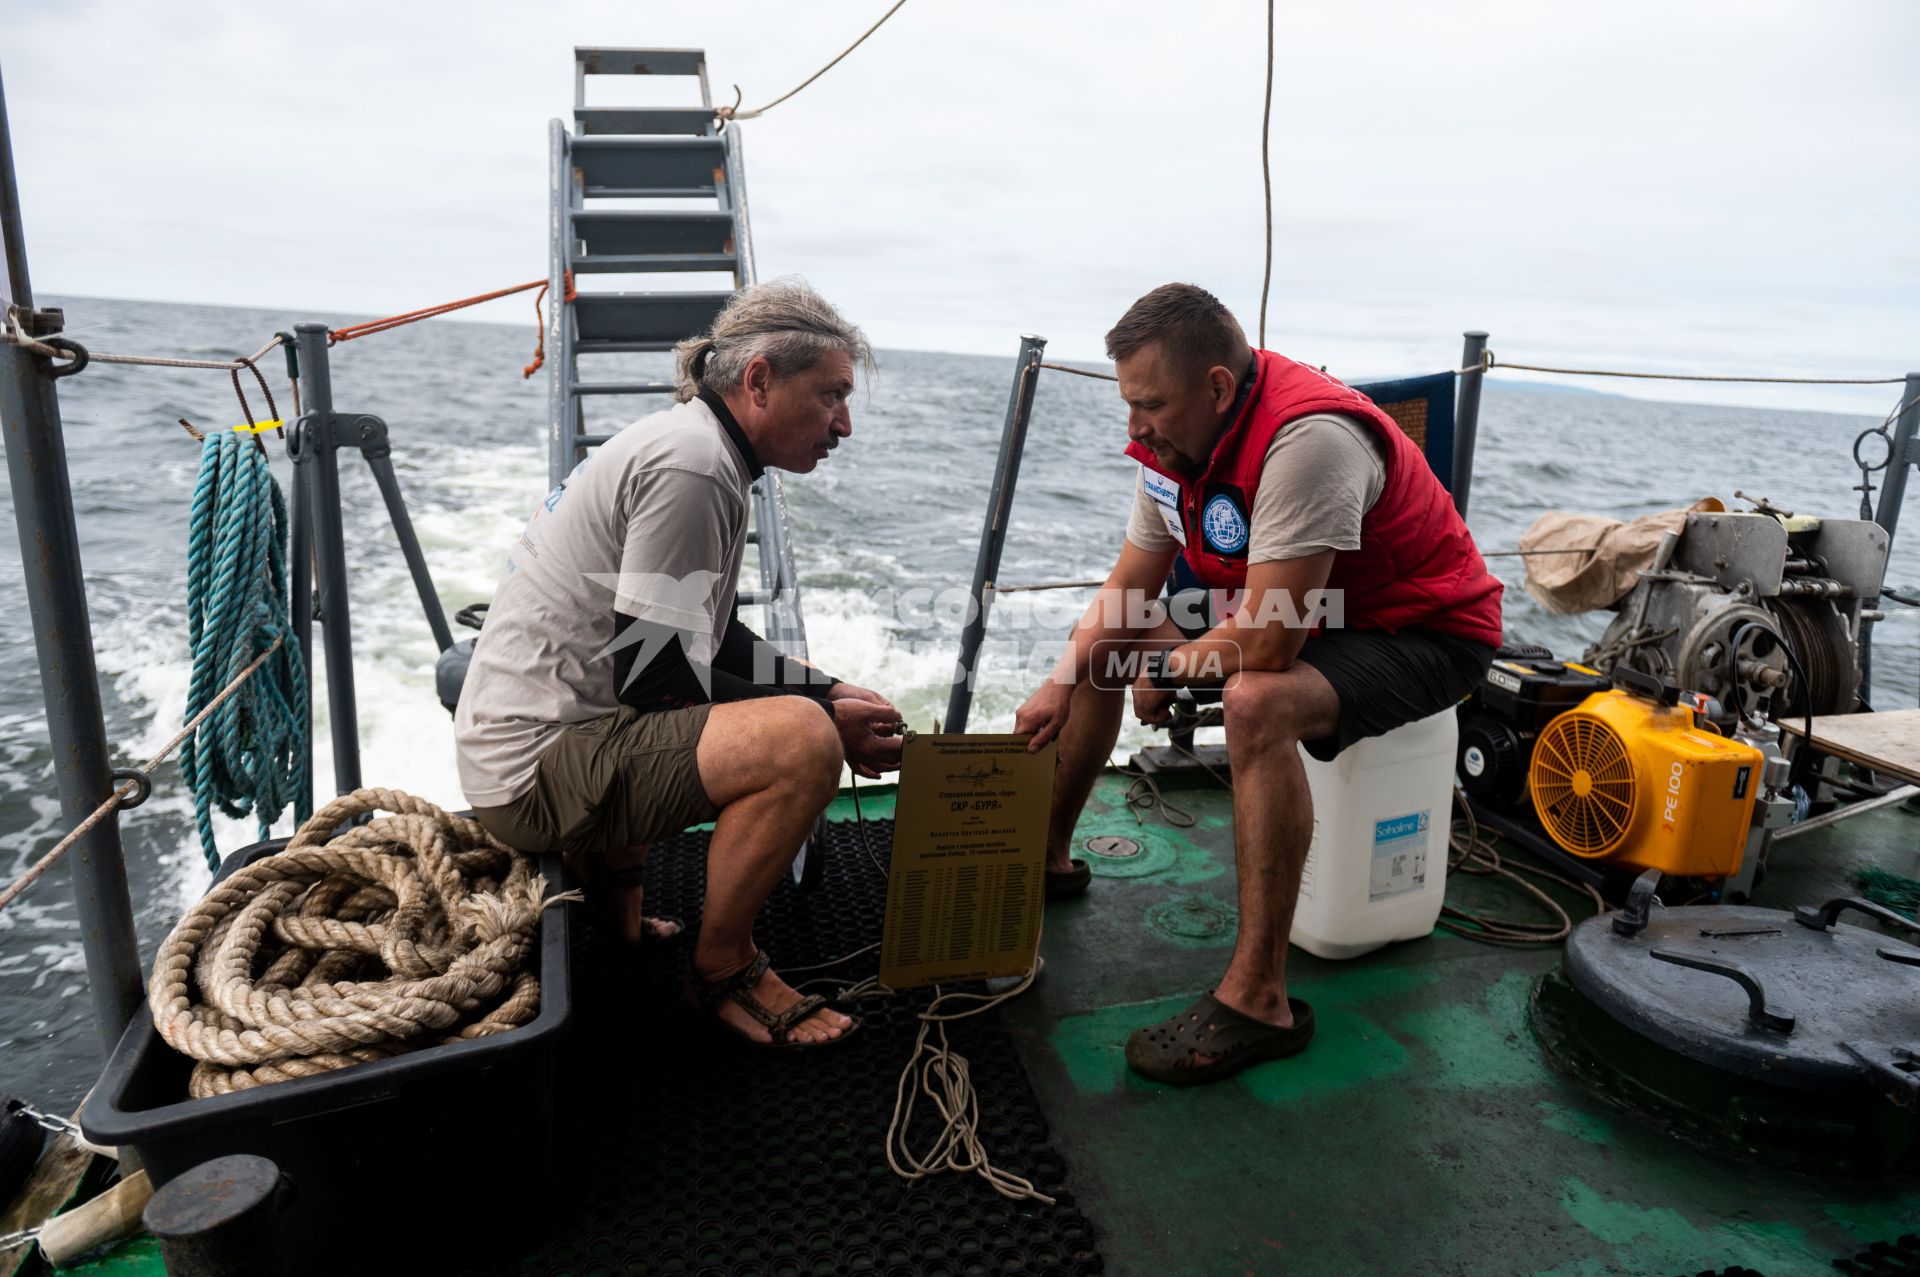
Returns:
point(1423, 1131)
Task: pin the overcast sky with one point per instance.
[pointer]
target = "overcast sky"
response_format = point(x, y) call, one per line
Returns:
point(1705, 185)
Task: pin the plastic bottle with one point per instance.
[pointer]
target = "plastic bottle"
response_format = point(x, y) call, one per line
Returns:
point(1377, 869)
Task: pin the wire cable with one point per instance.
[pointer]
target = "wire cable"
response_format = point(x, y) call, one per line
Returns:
point(729, 113)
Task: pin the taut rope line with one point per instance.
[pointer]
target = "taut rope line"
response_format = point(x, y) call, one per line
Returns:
point(1266, 178)
point(15, 335)
point(1081, 372)
point(371, 326)
point(122, 795)
point(735, 113)
point(1490, 364)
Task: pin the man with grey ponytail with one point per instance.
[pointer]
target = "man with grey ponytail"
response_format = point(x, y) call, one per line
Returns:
point(615, 698)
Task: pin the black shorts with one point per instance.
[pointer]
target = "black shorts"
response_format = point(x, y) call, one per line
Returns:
point(1383, 680)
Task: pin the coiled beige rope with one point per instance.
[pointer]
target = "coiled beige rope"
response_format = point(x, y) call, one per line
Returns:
point(409, 931)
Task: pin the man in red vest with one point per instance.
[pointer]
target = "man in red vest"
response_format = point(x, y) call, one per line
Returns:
point(1345, 598)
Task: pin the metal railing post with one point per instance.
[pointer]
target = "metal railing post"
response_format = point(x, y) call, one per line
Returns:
point(317, 465)
point(1903, 453)
point(993, 535)
point(1466, 416)
point(561, 435)
point(377, 447)
point(63, 631)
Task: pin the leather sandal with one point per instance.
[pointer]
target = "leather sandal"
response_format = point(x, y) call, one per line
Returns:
point(738, 989)
point(1210, 1027)
point(1065, 883)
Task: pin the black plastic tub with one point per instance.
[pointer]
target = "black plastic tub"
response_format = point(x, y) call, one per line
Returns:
point(426, 1159)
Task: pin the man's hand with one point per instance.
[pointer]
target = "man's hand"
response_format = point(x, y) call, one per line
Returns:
point(848, 692)
point(1152, 705)
point(861, 723)
point(1044, 714)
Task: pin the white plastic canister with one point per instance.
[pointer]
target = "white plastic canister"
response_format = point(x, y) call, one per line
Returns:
point(1377, 869)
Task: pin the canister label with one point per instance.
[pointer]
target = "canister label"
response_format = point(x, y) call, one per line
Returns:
point(1399, 855)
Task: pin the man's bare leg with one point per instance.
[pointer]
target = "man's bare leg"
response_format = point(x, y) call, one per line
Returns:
point(1086, 743)
point(617, 876)
point(1267, 716)
point(771, 766)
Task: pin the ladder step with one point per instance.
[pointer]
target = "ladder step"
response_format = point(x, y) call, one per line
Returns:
point(694, 120)
point(618, 346)
point(649, 166)
point(595, 61)
point(655, 263)
point(610, 322)
point(623, 388)
point(591, 441)
point(751, 598)
point(625, 232)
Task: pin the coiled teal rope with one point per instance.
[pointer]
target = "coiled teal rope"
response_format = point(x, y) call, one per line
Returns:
point(251, 754)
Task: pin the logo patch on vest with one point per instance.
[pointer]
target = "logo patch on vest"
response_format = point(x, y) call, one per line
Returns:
point(1160, 488)
point(1224, 525)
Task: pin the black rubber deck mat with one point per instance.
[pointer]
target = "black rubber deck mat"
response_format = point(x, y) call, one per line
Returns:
point(688, 1152)
point(1900, 1258)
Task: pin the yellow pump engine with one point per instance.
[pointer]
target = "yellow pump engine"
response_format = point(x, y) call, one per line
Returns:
point(1630, 780)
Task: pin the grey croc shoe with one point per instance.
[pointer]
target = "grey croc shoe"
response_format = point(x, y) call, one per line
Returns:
point(1211, 1027)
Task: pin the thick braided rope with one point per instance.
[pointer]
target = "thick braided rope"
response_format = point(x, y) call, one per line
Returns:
point(413, 929)
point(250, 755)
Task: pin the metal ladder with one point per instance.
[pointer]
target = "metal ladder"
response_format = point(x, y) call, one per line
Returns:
point(652, 153)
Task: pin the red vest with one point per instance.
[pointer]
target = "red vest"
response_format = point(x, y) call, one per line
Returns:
point(1416, 567)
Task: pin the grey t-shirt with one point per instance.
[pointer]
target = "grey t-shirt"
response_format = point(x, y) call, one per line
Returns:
point(652, 524)
point(1321, 476)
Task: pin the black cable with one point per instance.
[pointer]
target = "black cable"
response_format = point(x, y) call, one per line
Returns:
point(860, 821)
point(1796, 774)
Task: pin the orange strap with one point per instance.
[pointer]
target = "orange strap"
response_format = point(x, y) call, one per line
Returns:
point(415, 316)
point(539, 317)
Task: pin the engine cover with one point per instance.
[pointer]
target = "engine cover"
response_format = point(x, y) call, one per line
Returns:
point(1499, 722)
point(1631, 781)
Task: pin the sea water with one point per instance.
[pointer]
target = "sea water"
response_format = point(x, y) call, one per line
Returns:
point(885, 534)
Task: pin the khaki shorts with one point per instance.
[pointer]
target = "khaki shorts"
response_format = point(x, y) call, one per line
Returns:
point(619, 781)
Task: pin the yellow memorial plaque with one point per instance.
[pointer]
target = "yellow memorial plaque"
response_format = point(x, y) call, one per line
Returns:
point(968, 880)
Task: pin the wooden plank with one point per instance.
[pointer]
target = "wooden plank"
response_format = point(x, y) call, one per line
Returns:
point(52, 1185)
point(1887, 741)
